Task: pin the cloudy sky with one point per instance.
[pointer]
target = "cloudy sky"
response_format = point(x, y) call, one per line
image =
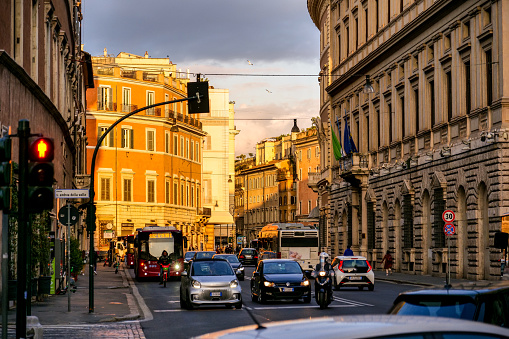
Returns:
point(219, 37)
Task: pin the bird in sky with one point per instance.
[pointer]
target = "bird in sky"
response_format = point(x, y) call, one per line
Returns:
point(249, 62)
point(268, 91)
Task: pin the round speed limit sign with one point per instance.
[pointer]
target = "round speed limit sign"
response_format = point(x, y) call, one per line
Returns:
point(448, 216)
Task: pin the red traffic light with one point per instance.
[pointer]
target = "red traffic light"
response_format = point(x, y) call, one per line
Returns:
point(41, 149)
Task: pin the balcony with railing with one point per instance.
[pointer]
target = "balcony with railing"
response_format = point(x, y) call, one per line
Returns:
point(353, 166)
point(129, 108)
point(106, 106)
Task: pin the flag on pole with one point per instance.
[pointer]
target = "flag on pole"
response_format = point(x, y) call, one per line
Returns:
point(336, 145)
point(348, 144)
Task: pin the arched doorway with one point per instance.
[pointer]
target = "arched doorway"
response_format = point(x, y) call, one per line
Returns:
point(483, 235)
point(385, 227)
point(462, 234)
point(398, 259)
point(427, 259)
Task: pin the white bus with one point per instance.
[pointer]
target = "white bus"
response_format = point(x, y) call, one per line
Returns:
point(291, 241)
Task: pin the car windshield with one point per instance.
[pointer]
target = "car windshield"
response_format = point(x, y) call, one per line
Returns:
point(205, 255)
point(438, 308)
point(211, 268)
point(282, 268)
point(189, 255)
point(230, 258)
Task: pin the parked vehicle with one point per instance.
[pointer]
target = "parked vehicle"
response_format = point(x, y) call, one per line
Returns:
point(210, 282)
point(483, 302)
point(279, 279)
point(248, 256)
point(366, 326)
point(234, 262)
point(353, 272)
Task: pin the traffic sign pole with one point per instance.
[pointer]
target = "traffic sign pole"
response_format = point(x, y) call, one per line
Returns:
point(448, 216)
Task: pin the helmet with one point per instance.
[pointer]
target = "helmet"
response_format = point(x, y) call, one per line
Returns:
point(323, 259)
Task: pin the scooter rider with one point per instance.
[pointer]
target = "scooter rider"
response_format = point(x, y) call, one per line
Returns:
point(323, 265)
point(164, 259)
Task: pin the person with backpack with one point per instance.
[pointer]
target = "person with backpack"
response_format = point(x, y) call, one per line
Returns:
point(387, 262)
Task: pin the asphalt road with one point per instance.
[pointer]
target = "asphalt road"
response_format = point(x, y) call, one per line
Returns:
point(169, 320)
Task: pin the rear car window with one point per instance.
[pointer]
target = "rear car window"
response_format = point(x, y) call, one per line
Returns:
point(354, 263)
point(439, 308)
point(248, 252)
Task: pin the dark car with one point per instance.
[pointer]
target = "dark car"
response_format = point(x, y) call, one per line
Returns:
point(248, 256)
point(188, 256)
point(488, 302)
point(234, 262)
point(279, 279)
point(203, 255)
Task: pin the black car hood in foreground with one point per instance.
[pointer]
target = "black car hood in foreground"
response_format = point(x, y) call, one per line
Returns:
point(282, 278)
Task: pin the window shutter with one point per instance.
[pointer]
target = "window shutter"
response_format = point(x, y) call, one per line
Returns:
point(100, 98)
point(112, 138)
point(131, 139)
point(110, 95)
point(99, 133)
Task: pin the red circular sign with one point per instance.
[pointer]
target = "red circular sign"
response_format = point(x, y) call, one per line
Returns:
point(448, 216)
point(449, 229)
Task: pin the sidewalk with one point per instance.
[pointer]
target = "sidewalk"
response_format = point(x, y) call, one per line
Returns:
point(421, 280)
point(113, 302)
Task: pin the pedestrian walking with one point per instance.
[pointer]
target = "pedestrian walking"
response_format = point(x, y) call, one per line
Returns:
point(387, 262)
point(348, 251)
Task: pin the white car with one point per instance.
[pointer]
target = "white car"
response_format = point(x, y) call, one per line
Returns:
point(366, 326)
point(353, 271)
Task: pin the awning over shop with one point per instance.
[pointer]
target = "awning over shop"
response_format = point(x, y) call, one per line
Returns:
point(220, 217)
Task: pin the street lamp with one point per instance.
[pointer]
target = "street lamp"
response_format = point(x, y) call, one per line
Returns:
point(368, 87)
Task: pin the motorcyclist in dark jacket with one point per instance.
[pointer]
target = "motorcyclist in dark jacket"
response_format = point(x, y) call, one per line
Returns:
point(164, 259)
point(327, 267)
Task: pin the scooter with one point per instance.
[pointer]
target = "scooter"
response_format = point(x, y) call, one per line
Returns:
point(323, 289)
point(166, 271)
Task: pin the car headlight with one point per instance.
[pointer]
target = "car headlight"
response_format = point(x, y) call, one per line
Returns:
point(305, 283)
point(240, 268)
point(196, 284)
point(177, 267)
point(234, 283)
point(268, 284)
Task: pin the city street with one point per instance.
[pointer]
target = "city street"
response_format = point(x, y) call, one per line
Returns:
point(169, 318)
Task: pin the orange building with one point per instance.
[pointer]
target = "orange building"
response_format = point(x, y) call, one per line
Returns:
point(148, 169)
point(307, 153)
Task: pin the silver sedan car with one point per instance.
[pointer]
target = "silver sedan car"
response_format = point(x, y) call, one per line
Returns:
point(210, 282)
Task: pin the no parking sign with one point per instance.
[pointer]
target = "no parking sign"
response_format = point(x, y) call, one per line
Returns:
point(449, 229)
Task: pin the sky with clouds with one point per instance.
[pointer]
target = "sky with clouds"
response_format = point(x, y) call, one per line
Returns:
point(219, 37)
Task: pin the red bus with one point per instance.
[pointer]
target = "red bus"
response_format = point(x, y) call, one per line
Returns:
point(129, 258)
point(149, 244)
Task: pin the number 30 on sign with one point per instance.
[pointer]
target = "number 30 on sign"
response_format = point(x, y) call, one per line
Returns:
point(448, 216)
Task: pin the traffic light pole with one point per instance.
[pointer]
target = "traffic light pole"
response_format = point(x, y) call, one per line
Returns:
point(23, 228)
point(91, 206)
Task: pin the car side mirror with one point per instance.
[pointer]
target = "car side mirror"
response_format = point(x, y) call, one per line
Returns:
point(256, 274)
point(184, 274)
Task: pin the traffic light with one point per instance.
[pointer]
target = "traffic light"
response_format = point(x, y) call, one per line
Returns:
point(201, 104)
point(5, 174)
point(40, 174)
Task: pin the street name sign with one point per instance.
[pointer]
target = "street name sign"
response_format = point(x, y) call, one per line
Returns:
point(72, 193)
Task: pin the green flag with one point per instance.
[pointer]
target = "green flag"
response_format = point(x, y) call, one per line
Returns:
point(336, 146)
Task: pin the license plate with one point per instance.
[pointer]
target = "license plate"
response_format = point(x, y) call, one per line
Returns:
point(355, 278)
point(248, 257)
point(215, 294)
point(287, 289)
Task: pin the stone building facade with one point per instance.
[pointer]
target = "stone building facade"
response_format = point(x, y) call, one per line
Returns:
point(431, 136)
